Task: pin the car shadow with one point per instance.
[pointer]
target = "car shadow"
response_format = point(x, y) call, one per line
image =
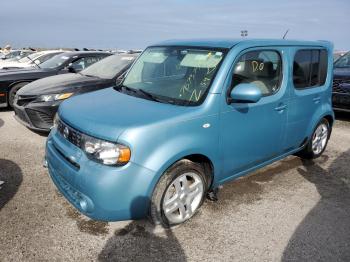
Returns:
point(40, 133)
point(11, 178)
point(344, 116)
point(5, 109)
point(142, 241)
point(324, 234)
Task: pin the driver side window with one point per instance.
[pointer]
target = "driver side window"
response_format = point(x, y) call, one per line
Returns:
point(260, 67)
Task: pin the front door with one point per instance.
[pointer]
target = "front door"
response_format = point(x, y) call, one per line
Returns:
point(253, 133)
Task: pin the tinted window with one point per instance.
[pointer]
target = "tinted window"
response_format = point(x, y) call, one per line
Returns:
point(343, 61)
point(310, 68)
point(55, 61)
point(109, 67)
point(262, 68)
point(46, 57)
point(85, 62)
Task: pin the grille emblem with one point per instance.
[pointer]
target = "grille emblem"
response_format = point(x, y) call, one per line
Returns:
point(66, 132)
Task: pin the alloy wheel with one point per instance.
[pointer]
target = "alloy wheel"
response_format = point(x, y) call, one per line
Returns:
point(183, 197)
point(319, 139)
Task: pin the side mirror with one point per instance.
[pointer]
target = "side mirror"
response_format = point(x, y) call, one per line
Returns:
point(74, 68)
point(244, 93)
point(71, 69)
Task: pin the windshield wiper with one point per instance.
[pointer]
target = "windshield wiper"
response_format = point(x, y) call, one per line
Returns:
point(150, 96)
point(144, 93)
point(86, 75)
point(33, 62)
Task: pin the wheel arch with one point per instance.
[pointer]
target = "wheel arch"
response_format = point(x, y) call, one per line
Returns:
point(199, 158)
point(17, 83)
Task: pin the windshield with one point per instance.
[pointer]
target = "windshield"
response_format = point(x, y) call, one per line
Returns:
point(109, 67)
point(343, 62)
point(55, 61)
point(179, 75)
point(29, 58)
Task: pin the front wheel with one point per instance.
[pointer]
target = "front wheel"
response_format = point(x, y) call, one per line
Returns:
point(318, 141)
point(13, 92)
point(179, 194)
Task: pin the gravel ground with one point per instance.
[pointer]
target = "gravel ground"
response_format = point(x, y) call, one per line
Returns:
point(289, 211)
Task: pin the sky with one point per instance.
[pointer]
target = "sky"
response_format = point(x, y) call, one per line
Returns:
point(136, 24)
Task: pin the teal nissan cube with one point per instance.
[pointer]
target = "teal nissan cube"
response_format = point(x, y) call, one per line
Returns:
point(189, 116)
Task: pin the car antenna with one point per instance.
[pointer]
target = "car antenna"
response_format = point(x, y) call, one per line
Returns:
point(285, 34)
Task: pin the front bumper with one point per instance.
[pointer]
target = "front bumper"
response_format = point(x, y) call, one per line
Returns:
point(36, 116)
point(98, 191)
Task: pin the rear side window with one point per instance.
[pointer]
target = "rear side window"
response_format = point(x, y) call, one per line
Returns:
point(260, 67)
point(310, 68)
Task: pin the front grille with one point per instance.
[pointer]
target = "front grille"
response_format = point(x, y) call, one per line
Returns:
point(40, 119)
point(72, 135)
point(20, 114)
point(24, 100)
point(341, 86)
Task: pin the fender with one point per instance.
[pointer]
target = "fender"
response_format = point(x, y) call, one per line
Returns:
point(325, 110)
point(158, 150)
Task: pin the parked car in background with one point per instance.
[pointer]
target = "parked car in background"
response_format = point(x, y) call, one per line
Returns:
point(36, 103)
point(15, 55)
point(341, 83)
point(338, 54)
point(188, 117)
point(32, 60)
point(12, 80)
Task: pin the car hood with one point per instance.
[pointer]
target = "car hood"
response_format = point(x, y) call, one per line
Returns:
point(58, 83)
point(107, 113)
point(341, 73)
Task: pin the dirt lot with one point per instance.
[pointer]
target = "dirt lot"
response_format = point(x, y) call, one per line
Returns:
point(289, 211)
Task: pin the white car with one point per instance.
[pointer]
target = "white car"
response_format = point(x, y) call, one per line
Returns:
point(32, 60)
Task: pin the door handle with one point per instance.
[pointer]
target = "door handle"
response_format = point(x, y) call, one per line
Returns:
point(316, 99)
point(280, 108)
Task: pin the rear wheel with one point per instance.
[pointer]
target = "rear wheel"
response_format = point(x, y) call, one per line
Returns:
point(179, 194)
point(318, 141)
point(13, 92)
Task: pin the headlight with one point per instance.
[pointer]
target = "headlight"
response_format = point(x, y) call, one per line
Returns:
point(105, 152)
point(53, 97)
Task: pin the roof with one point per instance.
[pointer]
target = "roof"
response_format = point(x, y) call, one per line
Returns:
point(74, 53)
point(229, 43)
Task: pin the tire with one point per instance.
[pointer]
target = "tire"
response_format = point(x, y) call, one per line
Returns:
point(314, 149)
point(13, 92)
point(174, 188)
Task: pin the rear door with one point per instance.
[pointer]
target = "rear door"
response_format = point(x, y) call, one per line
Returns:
point(307, 88)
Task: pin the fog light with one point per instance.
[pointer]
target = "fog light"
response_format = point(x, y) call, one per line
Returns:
point(84, 205)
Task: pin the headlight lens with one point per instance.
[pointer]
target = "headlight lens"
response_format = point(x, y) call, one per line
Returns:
point(105, 152)
point(54, 97)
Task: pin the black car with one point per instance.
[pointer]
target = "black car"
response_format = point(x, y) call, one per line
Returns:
point(37, 103)
point(12, 80)
point(341, 84)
